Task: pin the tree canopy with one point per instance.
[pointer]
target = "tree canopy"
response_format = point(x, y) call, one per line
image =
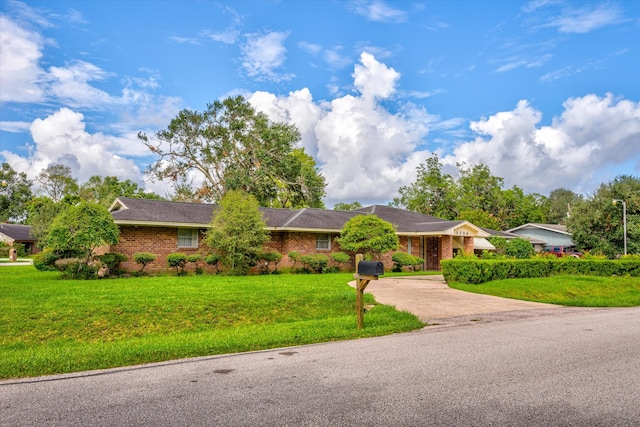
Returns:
point(476, 195)
point(368, 234)
point(596, 224)
point(56, 181)
point(237, 231)
point(80, 229)
point(104, 190)
point(15, 193)
point(233, 147)
point(347, 206)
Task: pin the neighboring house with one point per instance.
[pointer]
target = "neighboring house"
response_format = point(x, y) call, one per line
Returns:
point(542, 235)
point(16, 233)
point(508, 236)
point(162, 227)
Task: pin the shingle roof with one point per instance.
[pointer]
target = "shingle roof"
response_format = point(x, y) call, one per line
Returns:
point(160, 211)
point(552, 227)
point(19, 233)
point(142, 211)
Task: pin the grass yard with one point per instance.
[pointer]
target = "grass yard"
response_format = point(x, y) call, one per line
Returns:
point(579, 291)
point(49, 326)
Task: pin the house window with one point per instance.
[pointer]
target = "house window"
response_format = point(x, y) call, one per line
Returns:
point(323, 242)
point(409, 245)
point(187, 238)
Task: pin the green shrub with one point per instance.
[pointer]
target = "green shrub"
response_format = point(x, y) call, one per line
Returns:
point(295, 257)
point(266, 258)
point(404, 259)
point(212, 259)
point(520, 249)
point(194, 258)
point(144, 258)
point(112, 261)
point(475, 271)
point(177, 261)
point(316, 263)
point(44, 261)
point(76, 268)
point(340, 258)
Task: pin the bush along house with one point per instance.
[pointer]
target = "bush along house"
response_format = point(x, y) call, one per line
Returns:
point(162, 228)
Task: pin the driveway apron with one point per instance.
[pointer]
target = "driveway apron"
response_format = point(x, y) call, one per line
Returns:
point(434, 302)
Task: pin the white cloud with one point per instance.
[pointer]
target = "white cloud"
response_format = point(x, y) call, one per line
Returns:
point(587, 19)
point(377, 10)
point(264, 54)
point(568, 17)
point(62, 138)
point(297, 108)
point(231, 33)
point(70, 84)
point(592, 133)
point(20, 52)
point(373, 78)
point(365, 152)
point(14, 126)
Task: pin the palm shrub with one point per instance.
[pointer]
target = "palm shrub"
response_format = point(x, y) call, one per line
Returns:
point(144, 258)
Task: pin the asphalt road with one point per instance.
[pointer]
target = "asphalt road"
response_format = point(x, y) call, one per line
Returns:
point(569, 368)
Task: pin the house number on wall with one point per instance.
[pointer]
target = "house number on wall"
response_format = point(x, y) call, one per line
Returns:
point(461, 233)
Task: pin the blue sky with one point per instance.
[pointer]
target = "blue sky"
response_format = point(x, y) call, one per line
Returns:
point(545, 92)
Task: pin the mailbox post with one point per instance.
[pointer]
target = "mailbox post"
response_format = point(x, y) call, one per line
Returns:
point(366, 271)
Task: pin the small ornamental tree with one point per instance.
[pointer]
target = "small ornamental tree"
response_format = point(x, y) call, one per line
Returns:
point(144, 258)
point(78, 230)
point(213, 260)
point(177, 261)
point(368, 234)
point(237, 232)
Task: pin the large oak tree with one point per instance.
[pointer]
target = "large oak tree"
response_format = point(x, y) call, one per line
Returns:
point(233, 147)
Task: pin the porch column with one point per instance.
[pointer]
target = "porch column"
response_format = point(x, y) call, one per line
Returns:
point(446, 247)
point(468, 245)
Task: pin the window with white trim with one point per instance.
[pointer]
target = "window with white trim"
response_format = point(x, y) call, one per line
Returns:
point(187, 238)
point(323, 242)
point(409, 246)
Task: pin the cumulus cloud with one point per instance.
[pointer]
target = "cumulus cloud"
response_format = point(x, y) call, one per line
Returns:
point(20, 52)
point(365, 152)
point(591, 133)
point(61, 138)
point(264, 54)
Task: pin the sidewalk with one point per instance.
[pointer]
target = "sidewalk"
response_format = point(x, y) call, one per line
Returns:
point(4, 262)
point(433, 302)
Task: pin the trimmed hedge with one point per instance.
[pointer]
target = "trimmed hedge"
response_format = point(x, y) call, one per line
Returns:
point(475, 271)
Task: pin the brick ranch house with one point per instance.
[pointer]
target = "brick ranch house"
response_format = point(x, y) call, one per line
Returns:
point(162, 227)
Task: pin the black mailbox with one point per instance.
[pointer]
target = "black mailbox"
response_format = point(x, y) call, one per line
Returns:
point(371, 268)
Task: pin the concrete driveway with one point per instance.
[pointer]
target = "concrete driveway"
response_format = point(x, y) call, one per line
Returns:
point(433, 302)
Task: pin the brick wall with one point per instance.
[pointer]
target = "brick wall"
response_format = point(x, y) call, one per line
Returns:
point(159, 241)
point(163, 241)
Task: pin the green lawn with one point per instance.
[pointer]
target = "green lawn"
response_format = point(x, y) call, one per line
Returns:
point(580, 291)
point(48, 325)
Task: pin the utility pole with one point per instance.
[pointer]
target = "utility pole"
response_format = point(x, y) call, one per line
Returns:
point(624, 221)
